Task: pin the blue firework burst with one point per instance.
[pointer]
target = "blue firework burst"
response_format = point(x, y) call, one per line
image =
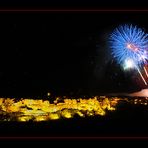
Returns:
point(129, 42)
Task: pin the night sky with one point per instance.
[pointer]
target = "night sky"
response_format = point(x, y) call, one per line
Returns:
point(65, 53)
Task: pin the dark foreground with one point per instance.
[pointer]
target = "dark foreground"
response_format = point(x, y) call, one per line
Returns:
point(127, 121)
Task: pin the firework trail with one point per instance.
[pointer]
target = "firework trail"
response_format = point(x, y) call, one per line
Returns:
point(146, 72)
point(141, 76)
point(129, 63)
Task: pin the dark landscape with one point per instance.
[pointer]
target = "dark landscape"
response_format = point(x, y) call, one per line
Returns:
point(68, 54)
point(128, 120)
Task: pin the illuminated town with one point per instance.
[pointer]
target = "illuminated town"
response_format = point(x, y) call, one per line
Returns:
point(22, 110)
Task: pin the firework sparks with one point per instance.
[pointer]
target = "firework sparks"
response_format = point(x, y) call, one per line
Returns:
point(129, 63)
point(129, 48)
point(129, 42)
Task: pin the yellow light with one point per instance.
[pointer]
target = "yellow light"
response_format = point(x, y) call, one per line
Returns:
point(43, 110)
point(54, 116)
point(41, 118)
point(66, 113)
point(24, 118)
point(48, 94)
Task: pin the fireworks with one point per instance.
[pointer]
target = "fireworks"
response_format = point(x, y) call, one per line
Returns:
point(129, 46)
point(128, 64)
point(129, 42)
